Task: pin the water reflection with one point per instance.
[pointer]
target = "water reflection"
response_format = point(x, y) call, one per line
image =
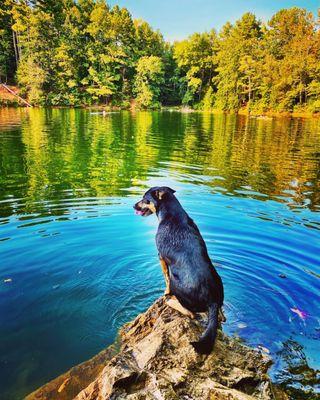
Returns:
point(54, 151)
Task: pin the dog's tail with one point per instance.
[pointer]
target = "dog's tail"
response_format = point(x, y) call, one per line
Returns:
point(206, 341)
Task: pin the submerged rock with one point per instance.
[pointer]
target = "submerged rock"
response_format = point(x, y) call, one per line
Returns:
point(157, 361)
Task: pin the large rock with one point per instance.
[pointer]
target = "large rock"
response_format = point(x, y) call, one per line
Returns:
point(69, 384)
point(156, 361)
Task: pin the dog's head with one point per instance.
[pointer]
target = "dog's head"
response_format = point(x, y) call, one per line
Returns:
point(152, 200)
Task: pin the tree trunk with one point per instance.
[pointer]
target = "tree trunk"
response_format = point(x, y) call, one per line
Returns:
point(200, 91)
point(15, 46)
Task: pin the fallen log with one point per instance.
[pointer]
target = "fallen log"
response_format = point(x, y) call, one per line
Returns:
point(15, 94)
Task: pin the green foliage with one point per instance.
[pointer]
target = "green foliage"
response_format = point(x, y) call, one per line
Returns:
point(148, 81)
point(272, 67)
point(68, 52)
point(195, 58)
point(36, 35)
point(172, 88)
point(146, 41)
point(76, 52)
point(237, 59)
point(32, 78)
point(208, 100)
point(7, 59)
point(292, 58)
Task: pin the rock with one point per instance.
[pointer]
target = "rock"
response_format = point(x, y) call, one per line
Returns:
point(68, 385)
point(156, 361)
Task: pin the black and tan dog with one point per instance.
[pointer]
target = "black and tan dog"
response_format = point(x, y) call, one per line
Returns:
point(190, 276)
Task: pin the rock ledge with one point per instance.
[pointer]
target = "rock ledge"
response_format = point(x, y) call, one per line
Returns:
point(156, 361)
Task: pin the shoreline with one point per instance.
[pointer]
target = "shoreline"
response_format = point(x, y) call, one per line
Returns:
point(8, 100)
point(179, 109)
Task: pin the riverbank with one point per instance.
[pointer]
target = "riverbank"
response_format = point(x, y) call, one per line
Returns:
point(285, 114)
point(8, 100)
point(154, 359)
point(253, 114)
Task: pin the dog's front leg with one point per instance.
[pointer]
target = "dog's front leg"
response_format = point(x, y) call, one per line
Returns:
point(165, 271)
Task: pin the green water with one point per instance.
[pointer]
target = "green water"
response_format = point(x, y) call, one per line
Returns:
point(76, 263)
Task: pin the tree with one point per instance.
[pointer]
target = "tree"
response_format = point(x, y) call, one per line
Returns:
point(173, 87)
point(148, 81)
point(7, 55)
point(292, 51)
point(74, 52)
point(195, 57)
point(237, 56)
point(37, 38)
point(208, 100)
point(147, 41)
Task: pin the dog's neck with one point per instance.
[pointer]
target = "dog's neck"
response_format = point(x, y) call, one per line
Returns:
point(171, 208)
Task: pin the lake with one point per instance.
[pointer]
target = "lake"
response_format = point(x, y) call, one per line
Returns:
point(77, 263)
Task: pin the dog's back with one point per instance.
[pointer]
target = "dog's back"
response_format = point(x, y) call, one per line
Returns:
point(193, 278)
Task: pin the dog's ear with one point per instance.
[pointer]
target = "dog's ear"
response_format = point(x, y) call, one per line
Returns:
point(161, 192)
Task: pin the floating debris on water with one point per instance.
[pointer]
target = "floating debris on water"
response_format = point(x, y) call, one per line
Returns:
point(55, 287)
point(7, 280)
point(301, 314)
point(283, 276)
point(242, 325)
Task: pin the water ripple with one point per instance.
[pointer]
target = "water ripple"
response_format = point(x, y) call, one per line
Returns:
point(76, 263)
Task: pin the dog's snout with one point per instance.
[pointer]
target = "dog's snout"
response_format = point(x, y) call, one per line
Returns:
point(137, 206)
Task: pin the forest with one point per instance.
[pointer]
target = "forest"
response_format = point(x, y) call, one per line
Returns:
point(85, 52)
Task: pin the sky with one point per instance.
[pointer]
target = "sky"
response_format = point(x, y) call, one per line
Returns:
point(176, 19)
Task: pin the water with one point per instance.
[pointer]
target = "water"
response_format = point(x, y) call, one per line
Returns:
point(76, 263)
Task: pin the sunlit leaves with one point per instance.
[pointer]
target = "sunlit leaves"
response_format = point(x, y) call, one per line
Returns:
point(149, 78)
point(83, 52)
point(195, 56)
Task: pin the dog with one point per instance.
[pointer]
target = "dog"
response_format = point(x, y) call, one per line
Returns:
point(191, 279)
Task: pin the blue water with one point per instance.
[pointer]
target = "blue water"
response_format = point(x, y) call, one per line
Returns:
point(76, 263)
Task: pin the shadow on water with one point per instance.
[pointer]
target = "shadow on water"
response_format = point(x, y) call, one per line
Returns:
point(76, 263)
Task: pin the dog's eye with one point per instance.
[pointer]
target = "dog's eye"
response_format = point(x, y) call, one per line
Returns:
point(146, 201)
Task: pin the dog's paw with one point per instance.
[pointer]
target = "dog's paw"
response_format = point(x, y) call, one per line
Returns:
point(222, 318)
